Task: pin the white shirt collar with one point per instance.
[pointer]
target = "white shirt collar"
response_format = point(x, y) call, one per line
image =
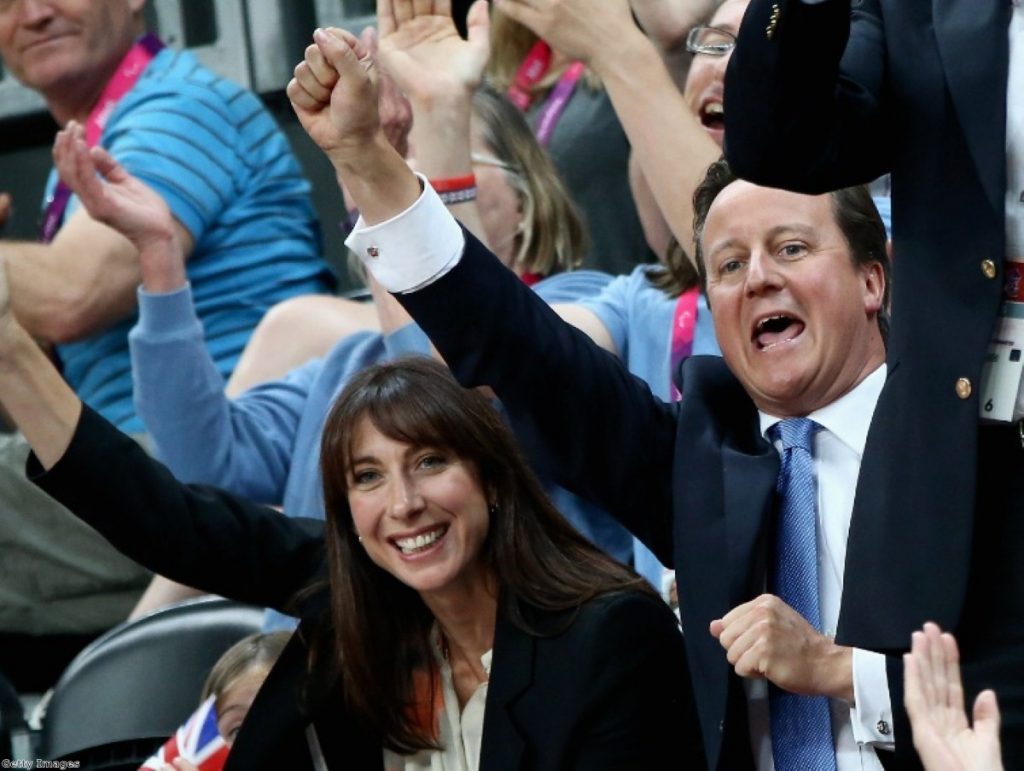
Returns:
point(848, 417)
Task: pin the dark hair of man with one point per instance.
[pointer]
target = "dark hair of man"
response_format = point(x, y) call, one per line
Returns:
point(854, 211)
point(381, 639)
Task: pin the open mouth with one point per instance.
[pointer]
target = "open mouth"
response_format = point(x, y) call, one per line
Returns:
point(712, 116)
point(421, 542)
point(775, 330)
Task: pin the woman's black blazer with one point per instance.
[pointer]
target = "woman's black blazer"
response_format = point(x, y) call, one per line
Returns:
point(605, 689)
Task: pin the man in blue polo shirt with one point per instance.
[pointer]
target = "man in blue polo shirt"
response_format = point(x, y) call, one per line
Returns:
point(242, 213)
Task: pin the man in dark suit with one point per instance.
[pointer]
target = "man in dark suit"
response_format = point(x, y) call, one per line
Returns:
point(833, 93)
point(797, 284)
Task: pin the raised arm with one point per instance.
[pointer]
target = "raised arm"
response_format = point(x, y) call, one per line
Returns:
point(670, 146)
point(439, 71)
point(490, 328)
point(808, 105)
point(179, 393)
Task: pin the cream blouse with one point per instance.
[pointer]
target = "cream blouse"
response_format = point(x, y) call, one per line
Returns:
point(459, 731)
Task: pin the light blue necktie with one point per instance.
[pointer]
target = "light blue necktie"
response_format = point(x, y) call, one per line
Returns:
point(801, 725)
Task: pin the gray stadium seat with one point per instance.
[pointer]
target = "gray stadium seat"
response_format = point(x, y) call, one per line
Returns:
point(133, 687)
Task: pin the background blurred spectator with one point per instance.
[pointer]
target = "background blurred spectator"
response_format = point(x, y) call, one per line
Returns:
point(573, 118)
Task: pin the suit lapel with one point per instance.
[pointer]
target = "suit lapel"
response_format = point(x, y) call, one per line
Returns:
point(511, 675)
point(973, 42)
point(749, 482)
point(724, 485)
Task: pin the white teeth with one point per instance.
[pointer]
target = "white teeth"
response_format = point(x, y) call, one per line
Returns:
point(762, 322)
point(714, 108)
point(421, 541)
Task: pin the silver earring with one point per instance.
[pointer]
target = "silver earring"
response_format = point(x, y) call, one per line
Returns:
point(492, 509)
point(360, 539)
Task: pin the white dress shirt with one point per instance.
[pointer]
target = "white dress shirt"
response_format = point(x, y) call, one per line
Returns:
point(418, 246)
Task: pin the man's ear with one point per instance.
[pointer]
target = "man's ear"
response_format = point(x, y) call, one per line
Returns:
point(874, 286)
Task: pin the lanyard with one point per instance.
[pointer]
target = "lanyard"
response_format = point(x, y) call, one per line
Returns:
point(530, 72)
point(684, 324)
point(124, 79)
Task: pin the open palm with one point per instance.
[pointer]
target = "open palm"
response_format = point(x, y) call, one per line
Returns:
point(422, 50)
point(118, 199)
point(933, 693)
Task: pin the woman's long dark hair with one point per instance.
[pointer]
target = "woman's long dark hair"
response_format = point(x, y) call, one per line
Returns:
point(381, 626)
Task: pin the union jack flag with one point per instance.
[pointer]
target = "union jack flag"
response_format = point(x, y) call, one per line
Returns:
point(197, 741)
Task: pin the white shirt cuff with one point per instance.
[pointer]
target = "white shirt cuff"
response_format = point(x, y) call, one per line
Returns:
point(412, 249)
point(872, 717)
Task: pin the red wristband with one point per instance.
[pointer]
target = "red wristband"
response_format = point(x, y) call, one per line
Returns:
point(454, 183)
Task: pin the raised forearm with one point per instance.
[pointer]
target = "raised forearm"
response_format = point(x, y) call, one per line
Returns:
point(671, 148)
point(378, 181)
point(441, 138)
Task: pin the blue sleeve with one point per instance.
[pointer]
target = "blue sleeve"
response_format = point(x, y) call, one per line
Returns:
point(611, 307)
point(572, 286)
point(244, 445)
point(407, 340)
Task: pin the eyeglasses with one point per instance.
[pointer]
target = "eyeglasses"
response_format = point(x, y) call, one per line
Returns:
point(710, 40)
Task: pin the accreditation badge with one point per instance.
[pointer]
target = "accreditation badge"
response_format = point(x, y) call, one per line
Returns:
point(1003, 370)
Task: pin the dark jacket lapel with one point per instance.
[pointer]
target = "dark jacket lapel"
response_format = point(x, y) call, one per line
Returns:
point(723, 488)
point(511, 675)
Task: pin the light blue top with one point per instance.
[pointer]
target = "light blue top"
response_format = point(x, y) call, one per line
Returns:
point(218, 159)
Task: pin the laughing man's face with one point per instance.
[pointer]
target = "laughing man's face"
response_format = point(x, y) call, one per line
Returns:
point(794, 315)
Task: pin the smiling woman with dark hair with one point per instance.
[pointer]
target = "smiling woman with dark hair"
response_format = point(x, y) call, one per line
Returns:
point(450, 617)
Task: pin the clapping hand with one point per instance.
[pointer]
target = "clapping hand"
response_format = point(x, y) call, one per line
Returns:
point(115, 197)
point(934, 698)
point(422, 50)
point(579, 29)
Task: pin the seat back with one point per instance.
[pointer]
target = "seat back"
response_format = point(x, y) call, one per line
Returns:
point(12, 717)
point(142, 679)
